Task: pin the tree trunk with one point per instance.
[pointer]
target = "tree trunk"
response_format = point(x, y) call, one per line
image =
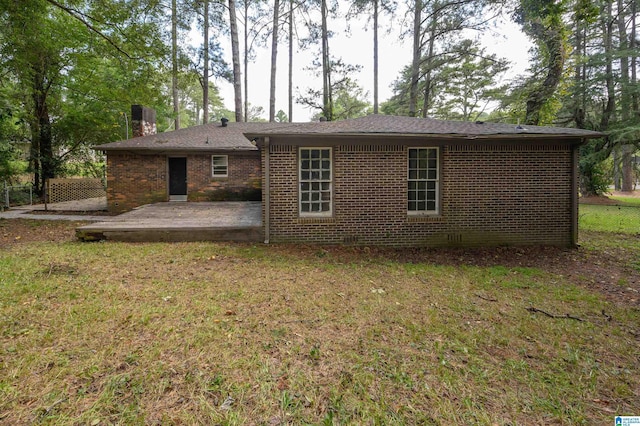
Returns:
point(429, 65)
point(174, 63)
point(274, 61)
point(235, 53)
point(627, 150)
point(290, 61)
point(634, 60)
point(415, 63)
point(375, 56)
point(246, 58)
point(42, 141)
point(609, 108)
point(552, 37)
point(579, 76)
point(326, 78)
point(205, 78)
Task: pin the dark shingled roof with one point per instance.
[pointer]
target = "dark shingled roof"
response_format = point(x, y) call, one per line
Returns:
point(237, 136)
point(207, 137)
point(426, 127)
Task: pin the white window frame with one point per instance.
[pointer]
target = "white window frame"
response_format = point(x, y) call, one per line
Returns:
point(325, 185)
point(213, 166)
point(431, 183)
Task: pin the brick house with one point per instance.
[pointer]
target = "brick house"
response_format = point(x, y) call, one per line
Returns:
point(377, 180)
point(402, 181)
point(210, 162)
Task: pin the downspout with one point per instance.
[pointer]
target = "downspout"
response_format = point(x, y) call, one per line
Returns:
point(266, 192)
point(574, 194)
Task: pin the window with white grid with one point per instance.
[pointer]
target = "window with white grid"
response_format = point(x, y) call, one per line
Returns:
point(315, 182)
point(219, 165)
point(423, 181)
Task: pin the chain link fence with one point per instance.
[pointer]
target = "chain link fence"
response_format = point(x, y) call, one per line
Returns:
point(16, 195)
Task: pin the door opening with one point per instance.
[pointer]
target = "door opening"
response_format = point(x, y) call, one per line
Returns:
point(178, 179)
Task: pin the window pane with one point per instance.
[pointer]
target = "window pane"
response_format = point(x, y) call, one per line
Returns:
point(326, 175)
point(304, 186)
point(305, 207)
point(305, 165)
point(305, 196)
point(422, 179)
point(315, 153)
point(305, 153)
point(315, 164)
point(304, 176)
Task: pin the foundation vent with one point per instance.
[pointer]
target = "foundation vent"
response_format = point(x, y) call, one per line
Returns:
point(454, 238)
point(350, 239)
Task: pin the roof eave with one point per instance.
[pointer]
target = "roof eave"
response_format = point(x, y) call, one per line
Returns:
point(174, 148)
point(524, 135)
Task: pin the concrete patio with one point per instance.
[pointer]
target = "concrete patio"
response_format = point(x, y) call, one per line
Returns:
point(181, 221)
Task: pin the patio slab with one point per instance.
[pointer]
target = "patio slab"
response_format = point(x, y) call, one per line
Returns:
point(181, 221)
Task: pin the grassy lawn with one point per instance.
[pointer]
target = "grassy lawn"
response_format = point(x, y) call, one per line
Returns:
point(203, 333)
point(610, 218)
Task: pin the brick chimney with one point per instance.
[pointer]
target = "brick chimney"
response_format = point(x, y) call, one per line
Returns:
point(143, 121)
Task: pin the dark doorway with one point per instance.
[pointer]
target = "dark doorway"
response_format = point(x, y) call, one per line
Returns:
point(178, 177)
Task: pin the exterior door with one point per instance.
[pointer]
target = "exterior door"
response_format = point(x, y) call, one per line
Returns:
point(178, 176)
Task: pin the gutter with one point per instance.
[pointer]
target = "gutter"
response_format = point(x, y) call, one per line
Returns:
point(266, 192)
point(444, 136)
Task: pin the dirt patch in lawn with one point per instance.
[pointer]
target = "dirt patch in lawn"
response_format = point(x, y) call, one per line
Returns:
point(20, 231)
point(606, 271)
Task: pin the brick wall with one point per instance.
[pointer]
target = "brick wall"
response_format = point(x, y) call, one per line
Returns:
point(134, 180)
point(490, 195)
point(243, 173)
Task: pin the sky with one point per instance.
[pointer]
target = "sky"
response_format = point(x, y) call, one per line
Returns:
point(506, 40)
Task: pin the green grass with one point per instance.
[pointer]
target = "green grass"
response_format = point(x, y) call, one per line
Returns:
point(603, 218)
point(199, 333)
point(629, 201)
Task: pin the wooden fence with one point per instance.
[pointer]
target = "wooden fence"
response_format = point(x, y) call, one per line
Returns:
point(59, 190)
